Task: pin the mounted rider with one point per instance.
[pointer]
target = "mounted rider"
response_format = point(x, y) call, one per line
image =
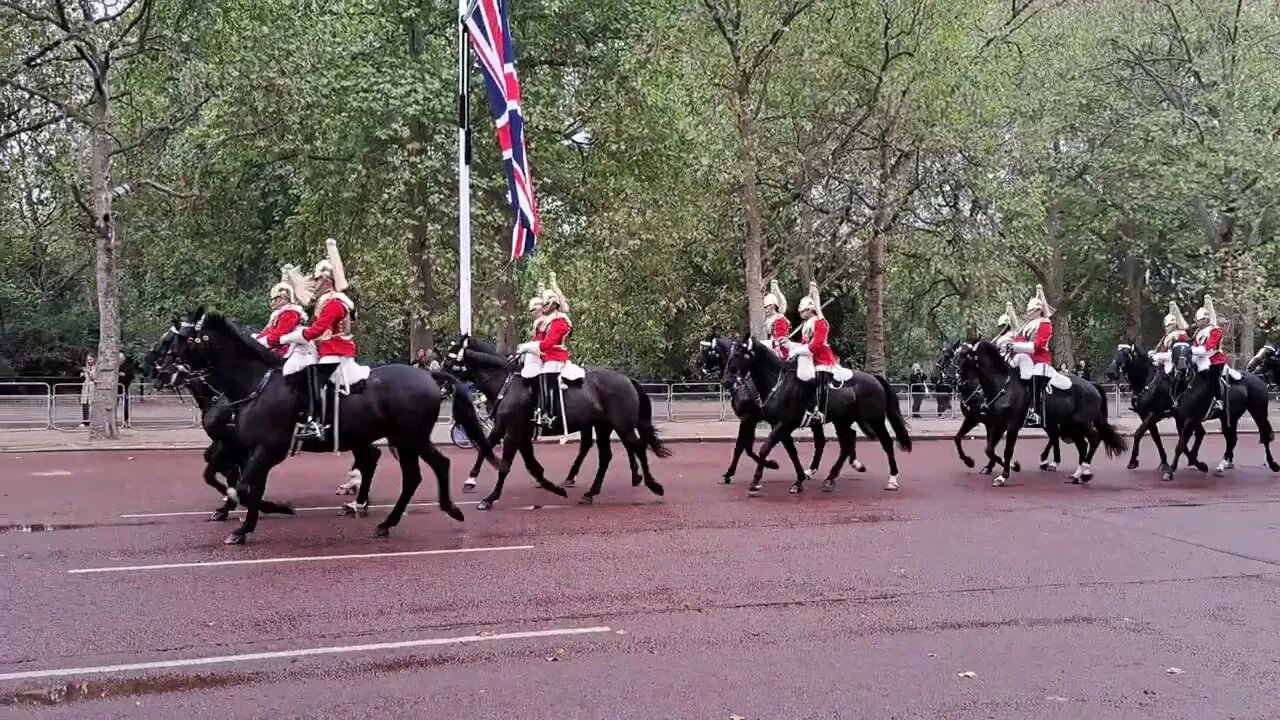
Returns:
point(1004, 326)
point(1175, 332)
point(287, 298)
point(1206, 347)
point(777, 327)
point(331, 333)
point(1029, 351)
point(549, 345)
point(813, 348)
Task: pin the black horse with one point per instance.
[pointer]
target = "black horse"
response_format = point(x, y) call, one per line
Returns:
point(1077, 415)
point(492, 385)
point(744, 398)
point(397, 402)
point(604, 401)
point(1197, 405)
point(1152, 396)
point(973, 402)
point(864, 400)
point(216, 417)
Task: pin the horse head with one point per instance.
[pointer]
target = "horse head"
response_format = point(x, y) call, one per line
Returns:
point(1184, 365)
point(712, 357)
point(945, 367)
point(1122, 362)
point(1265, 362)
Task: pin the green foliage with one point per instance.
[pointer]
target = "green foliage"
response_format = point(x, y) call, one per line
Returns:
point(994, 152)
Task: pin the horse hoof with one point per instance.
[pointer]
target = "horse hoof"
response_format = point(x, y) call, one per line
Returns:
point(1048, 466)
point(235, 538)
point(636, 481)
point(796, 489)
point(985, 471)
point(1017, 466)
point(892, 485)
point(1202, 467)
point(753, 490)
point(453, 512)
point(968, 462)
point(485, 504)
point(771, 465)
point(999, 481)
point(219, 516)
point(587, 499)
point(726, 480)
point(554, 490)
point(1163, 468)
point(568, 482)
point(381, 531)
point(1274, 466)
point(1133, 464)
point(656, 488)
point(1167, 476)
point(1084, 479)
point(857, 465)
point(829, 484)
point(469, 485)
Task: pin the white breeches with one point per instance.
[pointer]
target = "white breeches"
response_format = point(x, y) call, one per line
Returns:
point(1024, 364)
point(1056, 379)
point(552, 366)
point(348, 373)
point(804, 367)
point(301, 356)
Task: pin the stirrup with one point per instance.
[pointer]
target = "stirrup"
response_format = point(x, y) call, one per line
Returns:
point(309, 430)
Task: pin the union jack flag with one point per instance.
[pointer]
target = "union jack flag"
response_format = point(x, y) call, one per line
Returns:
point(488, 25)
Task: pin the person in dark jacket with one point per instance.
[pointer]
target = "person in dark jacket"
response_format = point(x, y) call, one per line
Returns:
point(918, 387)
point(125, 375)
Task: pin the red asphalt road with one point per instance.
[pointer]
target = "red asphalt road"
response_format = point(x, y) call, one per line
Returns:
point(1066, 601)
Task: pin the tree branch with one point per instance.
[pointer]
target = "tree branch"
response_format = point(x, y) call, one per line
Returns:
point(31, 14)
point(126, 189)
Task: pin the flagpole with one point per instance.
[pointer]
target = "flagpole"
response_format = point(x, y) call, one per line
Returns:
point(464, 177)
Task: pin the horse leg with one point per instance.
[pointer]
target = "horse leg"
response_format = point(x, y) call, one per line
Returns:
point(1188, 427)
point(1011, 441)
point(775, 435)
point(509, 448)
point(584, 447)
point(537, 471)
point(1258, 411)
point(789, 444)
point(819, 444)
point(966, 426)
point(1147, 425)
point(410, 479)
point(366, 463)
point(1193, 457)
point(606, 454)
point(212, 462)
point(1228, 457)
point(1045, 464)
point(845, 437)
point(746, 435)
point(250, 488)
point(886, 443)
point(632, 441)
point(993, 441)
point(1154, 432)
point(495, 434)
point(1086, 442)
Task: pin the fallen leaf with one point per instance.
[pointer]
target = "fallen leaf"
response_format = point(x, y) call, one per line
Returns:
point(967, 674)
point(933, 654)
point(1175, 671)
point(1056, 698)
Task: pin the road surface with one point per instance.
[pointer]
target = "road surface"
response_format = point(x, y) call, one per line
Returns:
point(1128, 598)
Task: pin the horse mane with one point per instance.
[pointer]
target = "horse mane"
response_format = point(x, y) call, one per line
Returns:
point(240, 336)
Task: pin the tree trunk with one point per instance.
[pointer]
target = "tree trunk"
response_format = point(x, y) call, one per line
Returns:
point(875, 301)
point(512, 313)
point(1134, 280)
point(1247, 319)
point(426, 305)
point(102, 413)
point(753, 248)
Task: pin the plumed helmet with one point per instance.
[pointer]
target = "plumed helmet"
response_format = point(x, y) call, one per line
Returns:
point(553, 295)
point(775, 297)
point(331, 266)
point(1206, 311)
point(1009, 316)
point(1174, 319)
point(1040, 303)
point(812, 301)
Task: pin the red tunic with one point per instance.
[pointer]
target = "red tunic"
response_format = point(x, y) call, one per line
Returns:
point(815, 336)
point(553, 332)
point(330, 331)
point(1210, 339)
point(1040, 353)
point(282, 322)
point(779, 335)
point(1166, 342)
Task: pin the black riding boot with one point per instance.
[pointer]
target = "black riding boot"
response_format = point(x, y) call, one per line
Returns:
point(818, 413)
point(550, 391)
point(1215, 378)
point(1038, 385)
point(317, 377)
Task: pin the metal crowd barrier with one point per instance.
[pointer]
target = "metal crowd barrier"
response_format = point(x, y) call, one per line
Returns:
point(43, 406)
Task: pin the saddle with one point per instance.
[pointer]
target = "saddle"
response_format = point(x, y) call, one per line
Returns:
point(573, 373)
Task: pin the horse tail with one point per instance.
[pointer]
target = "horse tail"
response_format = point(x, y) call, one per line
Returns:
point(644, 425)
point(1102, 394)
point(464, 413)
point(895, 415)
point(1111, 439)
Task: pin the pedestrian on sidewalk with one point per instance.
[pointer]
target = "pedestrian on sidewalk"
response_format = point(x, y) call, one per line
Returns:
point(918, 388)
point(88, 373)
point(126, 375)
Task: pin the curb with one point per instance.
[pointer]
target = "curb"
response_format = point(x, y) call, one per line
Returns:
point(676, 439)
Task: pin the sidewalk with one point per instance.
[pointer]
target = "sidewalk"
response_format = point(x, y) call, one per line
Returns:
point(26, 441)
